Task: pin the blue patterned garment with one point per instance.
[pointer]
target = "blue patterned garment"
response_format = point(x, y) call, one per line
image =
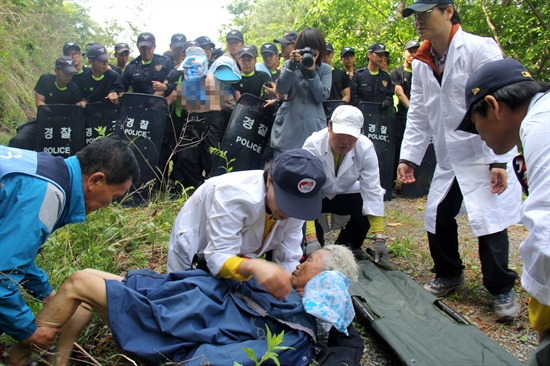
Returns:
point(326, 297)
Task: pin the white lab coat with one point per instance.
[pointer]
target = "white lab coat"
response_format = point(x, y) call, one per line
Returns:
point(225, 217)
point(535, 250)
point(358, 172)
point(438, 110)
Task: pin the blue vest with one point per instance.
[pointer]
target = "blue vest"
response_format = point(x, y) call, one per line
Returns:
point(41, 165)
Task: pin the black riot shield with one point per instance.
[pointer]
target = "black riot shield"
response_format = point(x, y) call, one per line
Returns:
point(246, 136)
point(141, 122)
point(378, 127)
point(60, 129)
point(330, 105)
point(101, 119)
point(423, 175)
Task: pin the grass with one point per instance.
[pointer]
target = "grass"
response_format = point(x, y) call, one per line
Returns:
point(118, 239)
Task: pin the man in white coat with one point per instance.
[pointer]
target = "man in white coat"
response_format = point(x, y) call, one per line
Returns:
point(507, 107)
point(353, 182)
point(233, 219)
point(468, 173)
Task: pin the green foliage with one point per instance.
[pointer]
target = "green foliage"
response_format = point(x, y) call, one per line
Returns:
point(521, 27)
point(273, 341)
point(216, 151)
point(33, 33)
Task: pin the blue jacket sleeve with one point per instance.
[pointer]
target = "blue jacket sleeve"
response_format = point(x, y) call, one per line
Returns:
point(25, 224)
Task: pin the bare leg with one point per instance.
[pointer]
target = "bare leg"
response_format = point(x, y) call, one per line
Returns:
point(71, 307)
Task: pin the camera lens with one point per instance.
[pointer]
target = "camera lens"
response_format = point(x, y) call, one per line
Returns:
point(308, 60)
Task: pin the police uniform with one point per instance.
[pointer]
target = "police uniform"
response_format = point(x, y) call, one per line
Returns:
point(340, 81)
point(47, 87)
point(138, 76)
point(368, 87)
point(95, 90)
point(252, 83)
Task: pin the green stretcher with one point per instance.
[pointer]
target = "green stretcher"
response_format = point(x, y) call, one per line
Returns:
point(419, 327)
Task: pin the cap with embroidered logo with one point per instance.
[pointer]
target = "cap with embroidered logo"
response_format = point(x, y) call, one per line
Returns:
point(298, 178)
point(378, 48)
point(97, 52)
point(146, 39)
point(65, 64)
point(235, 34)
point(347, 49)
point(67, 46)
point(178, 40)
point(269, 48)
point(489, 78)
point(121, 47)
point(411, 44)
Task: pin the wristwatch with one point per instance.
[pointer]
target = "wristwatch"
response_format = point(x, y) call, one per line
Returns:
point(379, 236)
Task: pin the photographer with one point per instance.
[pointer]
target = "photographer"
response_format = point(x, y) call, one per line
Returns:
point(303, 86)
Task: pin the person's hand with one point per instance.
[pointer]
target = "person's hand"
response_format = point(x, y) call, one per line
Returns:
point(269, 103)
point(385, 105)
point(271, 88)
point(158, 86)
point(113, 97)
point(380, 250)
point(42, 338)
point(499, 180)
point(405, 173)
point(274, 278)
point(312, 246)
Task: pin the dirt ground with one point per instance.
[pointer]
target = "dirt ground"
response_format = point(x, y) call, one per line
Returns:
point(407, 243)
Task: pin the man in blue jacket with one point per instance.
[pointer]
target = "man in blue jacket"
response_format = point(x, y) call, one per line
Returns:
point(40, 193)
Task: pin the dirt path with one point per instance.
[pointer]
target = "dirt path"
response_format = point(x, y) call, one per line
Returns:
point(408, 247)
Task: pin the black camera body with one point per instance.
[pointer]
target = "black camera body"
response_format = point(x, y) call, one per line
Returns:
point(308, 56)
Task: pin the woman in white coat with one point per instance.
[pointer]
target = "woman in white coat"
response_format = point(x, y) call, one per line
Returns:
point(233, 219)
point(468, 173)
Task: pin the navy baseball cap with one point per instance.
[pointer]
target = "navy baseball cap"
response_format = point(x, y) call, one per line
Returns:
point(178, 40)
point(288, 38)
point(347, 49)
point(298, 177)
point(65, 64)
point(204, 41)
point(70, 45)
point(97, 52)
point(234, 34)
point(248, 50)
point(146, 39)
point(269, 48)
point(378, 48)
point(421, 6)
point(121, 47)
point(329, 47)
point(411, 44)
point(489, 78)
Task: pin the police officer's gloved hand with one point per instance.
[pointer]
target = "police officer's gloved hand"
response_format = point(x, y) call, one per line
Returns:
point(380, 250)
point(386, 104)
point(312, 246)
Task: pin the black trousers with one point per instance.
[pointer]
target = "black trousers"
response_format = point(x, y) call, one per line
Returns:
point(194, 161)
point(358, 226)
point(493, 248)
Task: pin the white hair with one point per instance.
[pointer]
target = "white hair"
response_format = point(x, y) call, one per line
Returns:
point(341, 259)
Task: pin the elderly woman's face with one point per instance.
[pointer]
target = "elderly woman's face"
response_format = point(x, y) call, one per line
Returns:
point(307, 270)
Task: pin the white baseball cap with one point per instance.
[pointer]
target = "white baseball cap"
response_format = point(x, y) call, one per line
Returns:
point(348, 120)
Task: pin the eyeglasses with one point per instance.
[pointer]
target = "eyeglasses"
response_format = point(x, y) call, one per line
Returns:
point(422, 16)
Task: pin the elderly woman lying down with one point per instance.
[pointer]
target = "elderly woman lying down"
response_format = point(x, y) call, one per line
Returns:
point(195, 317)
